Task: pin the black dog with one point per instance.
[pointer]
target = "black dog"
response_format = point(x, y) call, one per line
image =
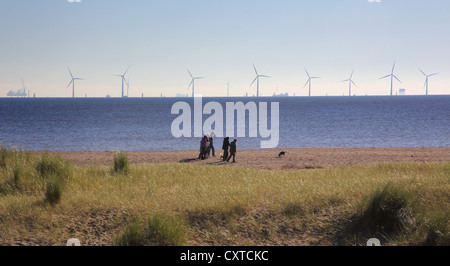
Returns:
point(282, 153)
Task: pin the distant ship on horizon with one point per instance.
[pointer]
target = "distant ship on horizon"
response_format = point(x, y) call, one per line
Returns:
point(18, 93)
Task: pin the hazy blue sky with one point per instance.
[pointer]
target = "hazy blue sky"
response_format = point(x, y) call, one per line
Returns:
point(220, 40)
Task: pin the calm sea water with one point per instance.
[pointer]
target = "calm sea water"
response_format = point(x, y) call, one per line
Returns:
point(63, 124)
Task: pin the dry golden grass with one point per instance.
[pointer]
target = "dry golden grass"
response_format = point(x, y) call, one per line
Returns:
point(221, 205)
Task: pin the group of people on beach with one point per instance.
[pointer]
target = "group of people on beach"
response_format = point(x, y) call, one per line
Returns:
point(207, 146)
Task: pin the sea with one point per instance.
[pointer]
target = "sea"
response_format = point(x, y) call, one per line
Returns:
point(144, 124)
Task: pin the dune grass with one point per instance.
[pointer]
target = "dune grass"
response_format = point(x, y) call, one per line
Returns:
point(221, 205)
point(158, 230)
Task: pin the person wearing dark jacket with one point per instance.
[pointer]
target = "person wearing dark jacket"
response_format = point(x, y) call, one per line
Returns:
point(232, 151)
point(226, 144)
point(203, 144)
point(211, 147)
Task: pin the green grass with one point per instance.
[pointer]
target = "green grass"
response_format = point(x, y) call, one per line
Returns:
point(222, 205)
point(121, 164)
point(53, 191)
point(52, 165)
point(158, 230)
point(389, 211)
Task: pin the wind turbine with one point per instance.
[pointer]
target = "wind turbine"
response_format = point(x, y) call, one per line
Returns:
point(309, 81)
point(123, 78)
point(193, 82)
point(350, 82)
point(426, 80)
point(392, 77)
point(257, 80)
point(228, 89)
point(72, 81)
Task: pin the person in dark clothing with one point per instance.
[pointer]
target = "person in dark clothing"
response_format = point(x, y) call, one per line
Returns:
point(207, 149)
point(203, 147)
point(211, 147)
point(200, 153)
point(226, 144)
point(232, 151)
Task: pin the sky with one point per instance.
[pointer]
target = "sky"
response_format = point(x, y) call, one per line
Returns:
point(221, 40)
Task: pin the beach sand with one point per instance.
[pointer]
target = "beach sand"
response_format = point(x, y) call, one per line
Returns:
point(268, 158)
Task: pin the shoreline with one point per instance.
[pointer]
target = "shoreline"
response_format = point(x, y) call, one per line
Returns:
point(296, 158)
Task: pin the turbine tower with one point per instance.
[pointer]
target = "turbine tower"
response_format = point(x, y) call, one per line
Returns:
point(309, 81)
point(228, 89)
point(257, 80)
point(72, 81)
point(128, 86)
point(426, 80)
point(123, 78)
point(193, 82)
point(392, 77)
point(350, 82)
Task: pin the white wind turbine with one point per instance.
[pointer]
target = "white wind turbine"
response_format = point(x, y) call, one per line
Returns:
point(426, 80)
point(309, 81)
point(350, 82)
point(392, 78)
point(123, 78)
point(72, 81)
point(257, 80)
point(193, 82)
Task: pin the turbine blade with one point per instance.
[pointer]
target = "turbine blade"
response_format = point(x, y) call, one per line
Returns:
point(255, 70)
point(397, 79)
point(253, 81)
point(345, 80)
point(192, 81)
point(309, 80)
point(70, 72)
point(264, 76)
point(307, 72)
point(433, 74)
point(393, 68)
point(126, 70)
point(422, 72)
point(385, 76)
point(69, 83)
point(190, 73)
point(353, 83)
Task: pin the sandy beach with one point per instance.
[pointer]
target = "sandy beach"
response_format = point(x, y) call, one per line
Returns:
point(268, 158)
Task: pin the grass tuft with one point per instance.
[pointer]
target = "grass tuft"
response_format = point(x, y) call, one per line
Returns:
point(387, 214)
point(53, 190)
point(18, 175)
point(159, 230)
point(52, 165)
point(121, 164)
point(4, 152)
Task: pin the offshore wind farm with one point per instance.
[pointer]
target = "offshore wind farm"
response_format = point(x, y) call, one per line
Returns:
point(247, 123)
point(308, 84)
